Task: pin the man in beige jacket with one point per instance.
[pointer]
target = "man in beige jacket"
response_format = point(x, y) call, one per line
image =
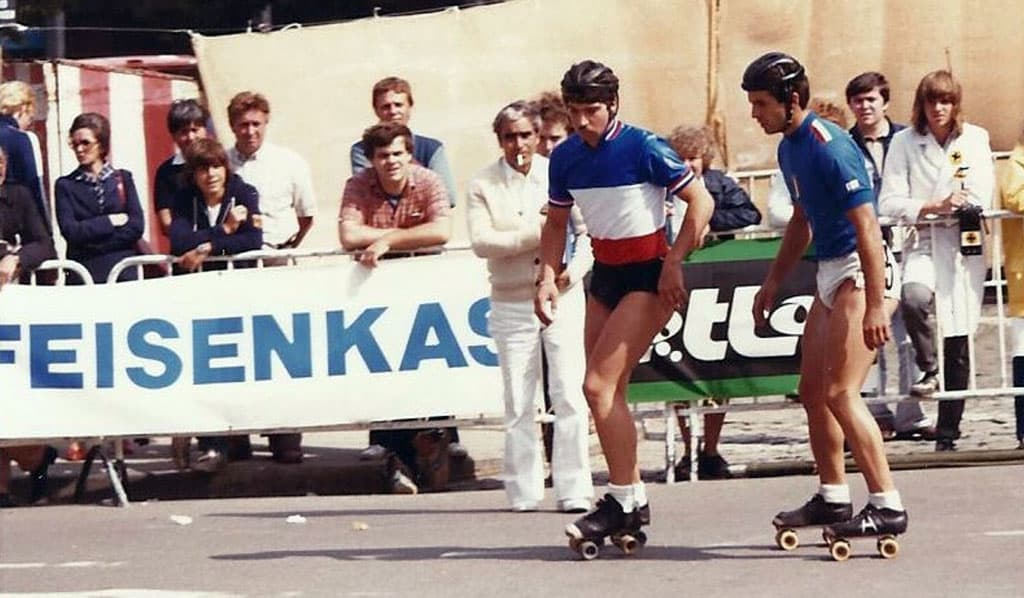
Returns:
point(504, 211)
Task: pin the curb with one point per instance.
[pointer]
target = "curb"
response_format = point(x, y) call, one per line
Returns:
point(343, 473)
point(970, 458)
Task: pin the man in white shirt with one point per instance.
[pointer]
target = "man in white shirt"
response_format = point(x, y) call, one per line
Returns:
point(281, 176)
point(287, 204)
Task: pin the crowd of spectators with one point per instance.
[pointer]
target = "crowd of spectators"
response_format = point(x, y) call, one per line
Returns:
point(215, 199)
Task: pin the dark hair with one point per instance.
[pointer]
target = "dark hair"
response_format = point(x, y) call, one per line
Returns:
point(383, 135)
point(100, 127)
point(395, 84)
point(865, 82)
point(245, 101)
point(934, 86)
point(185, 113)
point(205, 153)
point(514, 111)
point(780, 75)
point(589, 81)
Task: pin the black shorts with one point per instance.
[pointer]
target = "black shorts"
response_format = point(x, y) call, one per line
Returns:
point(609, 284)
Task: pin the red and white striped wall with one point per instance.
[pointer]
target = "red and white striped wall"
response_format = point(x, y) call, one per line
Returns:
point(136, 102)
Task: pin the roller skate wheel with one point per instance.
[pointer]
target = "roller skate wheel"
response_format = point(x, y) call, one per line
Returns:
point(641, 537)
point(840, 550)
point(787, 539)
point(588, 550)
point(888, 547)
point(627, 543)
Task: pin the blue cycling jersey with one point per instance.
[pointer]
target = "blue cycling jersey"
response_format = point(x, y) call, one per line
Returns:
point(824, 171)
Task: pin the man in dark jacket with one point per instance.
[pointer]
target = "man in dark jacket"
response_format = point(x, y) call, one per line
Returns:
point(867, 95)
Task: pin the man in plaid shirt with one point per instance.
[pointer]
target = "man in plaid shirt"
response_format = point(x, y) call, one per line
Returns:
point(396, 205)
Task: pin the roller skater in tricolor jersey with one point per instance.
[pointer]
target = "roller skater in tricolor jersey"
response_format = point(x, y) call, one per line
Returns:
point(858, 290)
point(618, 175)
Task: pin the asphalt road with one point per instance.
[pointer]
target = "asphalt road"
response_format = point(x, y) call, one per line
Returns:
point(708, 539)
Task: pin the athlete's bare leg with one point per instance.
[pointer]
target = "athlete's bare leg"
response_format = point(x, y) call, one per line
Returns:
point(849, 360)
point(614, 342)
point(826, 437)
point(835, 362)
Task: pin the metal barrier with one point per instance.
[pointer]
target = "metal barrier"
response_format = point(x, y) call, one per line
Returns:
point(292, 257)
point(264, 258)
point(61, 266)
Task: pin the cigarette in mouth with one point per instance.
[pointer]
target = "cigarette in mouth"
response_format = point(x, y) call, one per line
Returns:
point(520, 160)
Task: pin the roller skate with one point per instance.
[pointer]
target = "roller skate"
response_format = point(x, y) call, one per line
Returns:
point(587, 534)
point(644, 513)
point(814, 512)
point(872, 522)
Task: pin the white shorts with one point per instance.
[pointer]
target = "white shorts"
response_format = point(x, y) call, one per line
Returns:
point(833, 273)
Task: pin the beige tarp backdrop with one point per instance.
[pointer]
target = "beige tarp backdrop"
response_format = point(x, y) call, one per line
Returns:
point(465, 64)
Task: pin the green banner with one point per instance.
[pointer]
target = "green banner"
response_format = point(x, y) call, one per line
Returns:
point(712, 348)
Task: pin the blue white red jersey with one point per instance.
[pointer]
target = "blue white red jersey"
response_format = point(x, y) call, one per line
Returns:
point(620, 187)
point(824, 171)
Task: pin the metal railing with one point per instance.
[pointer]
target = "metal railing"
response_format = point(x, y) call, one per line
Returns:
point(295, 256)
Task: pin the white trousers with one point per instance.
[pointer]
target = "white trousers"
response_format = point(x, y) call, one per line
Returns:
point(518, 335)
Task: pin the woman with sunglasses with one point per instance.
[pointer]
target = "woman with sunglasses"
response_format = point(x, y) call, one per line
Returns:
point(98, 210)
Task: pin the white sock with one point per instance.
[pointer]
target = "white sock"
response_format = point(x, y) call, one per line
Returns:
point(640, 494)
point(886, 500)
point(625, 496)
point(835, 493)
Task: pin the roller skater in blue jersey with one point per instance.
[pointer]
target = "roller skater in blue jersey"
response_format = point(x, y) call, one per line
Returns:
point(618, 175)
point(858, 291)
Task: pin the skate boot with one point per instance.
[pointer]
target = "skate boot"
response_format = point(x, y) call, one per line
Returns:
point(813, 513)
point(872, 522)
point(587, 534)
point(644, 514)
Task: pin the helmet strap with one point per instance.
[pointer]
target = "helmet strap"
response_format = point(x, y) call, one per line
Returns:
point(613, 113)
point(787, 93)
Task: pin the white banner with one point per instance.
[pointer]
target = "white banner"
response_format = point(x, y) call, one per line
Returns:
point(249, 349)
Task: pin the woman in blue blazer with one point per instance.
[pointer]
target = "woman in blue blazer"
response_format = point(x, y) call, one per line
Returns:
point(98, 210)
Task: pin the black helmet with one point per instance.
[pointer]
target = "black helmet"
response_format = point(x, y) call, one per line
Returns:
point(589, 81)
point(775, 72)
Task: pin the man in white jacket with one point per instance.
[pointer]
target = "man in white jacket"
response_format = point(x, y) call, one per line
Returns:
point(504, 210)
point(933, 169)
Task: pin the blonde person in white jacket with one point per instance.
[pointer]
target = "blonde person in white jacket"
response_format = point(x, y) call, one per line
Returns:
point(933, 168)
point(504, 212)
